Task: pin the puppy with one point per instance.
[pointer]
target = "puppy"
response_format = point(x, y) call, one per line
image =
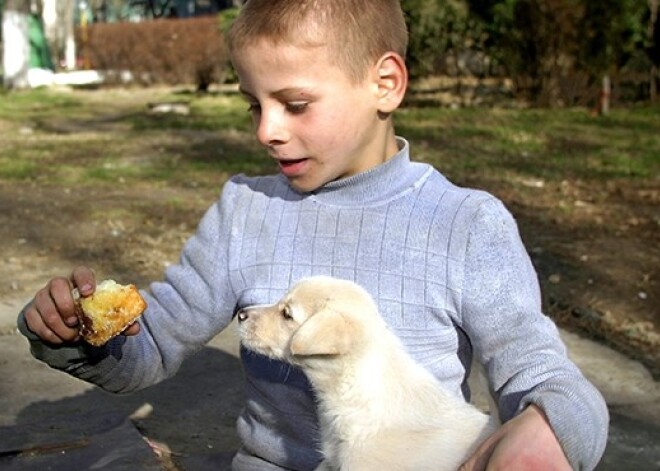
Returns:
point(378, 408)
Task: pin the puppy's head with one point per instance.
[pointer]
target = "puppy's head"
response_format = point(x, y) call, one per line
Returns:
point(318, 316)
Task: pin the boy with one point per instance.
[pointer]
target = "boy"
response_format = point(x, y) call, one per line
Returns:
point(445, 264)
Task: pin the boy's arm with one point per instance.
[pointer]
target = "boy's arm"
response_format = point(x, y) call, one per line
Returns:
point(183, 313)
point(520, 347)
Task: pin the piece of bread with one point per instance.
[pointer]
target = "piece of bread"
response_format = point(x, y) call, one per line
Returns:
point(108, 311)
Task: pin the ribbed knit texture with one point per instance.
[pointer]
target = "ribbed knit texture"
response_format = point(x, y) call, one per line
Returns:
point(445, 264)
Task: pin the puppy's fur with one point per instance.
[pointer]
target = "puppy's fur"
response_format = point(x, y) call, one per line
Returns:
point(378, 408)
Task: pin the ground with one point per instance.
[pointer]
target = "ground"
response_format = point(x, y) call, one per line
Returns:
point(598, 264)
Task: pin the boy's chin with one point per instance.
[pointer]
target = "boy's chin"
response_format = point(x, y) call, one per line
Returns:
point(304, 186)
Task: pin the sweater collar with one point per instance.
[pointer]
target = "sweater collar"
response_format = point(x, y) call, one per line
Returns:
point(375, 185)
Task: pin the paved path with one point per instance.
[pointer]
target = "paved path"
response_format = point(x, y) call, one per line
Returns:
point(193, 413)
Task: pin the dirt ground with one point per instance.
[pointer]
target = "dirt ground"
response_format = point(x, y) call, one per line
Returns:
point(599, 264)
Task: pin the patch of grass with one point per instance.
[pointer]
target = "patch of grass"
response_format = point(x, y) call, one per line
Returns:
point(106, 136)
point(24, 105)
point(16, 169)
point(548, 144)
point(212, 113)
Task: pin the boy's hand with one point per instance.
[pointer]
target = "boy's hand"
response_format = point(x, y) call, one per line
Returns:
point(52, 316)
point(525, 443)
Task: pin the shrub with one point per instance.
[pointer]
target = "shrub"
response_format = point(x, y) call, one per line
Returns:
point(171, 51)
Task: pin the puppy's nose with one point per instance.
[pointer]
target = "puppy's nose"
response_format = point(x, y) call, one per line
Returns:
point(242, 315)
point(251, 310)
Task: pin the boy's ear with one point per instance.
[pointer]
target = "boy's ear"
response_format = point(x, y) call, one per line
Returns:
point(392, 81)
point(325, 333)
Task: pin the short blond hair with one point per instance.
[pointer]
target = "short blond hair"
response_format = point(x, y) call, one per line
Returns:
point(356, 32)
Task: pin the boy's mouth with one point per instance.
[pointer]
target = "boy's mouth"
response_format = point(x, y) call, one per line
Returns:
point(292, 167)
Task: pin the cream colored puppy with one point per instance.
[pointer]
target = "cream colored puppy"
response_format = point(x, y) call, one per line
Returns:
point(378, 408)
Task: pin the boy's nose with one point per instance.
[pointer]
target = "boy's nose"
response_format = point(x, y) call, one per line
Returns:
point(271, 130)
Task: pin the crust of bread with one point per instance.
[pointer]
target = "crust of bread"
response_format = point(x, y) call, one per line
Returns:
point(108, 311)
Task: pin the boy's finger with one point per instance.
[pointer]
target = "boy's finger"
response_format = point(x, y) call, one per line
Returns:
point(132, 329)
point(47, 310)
point(37, 325)
point(61, 295)
point(479, 460)
point(83, 278)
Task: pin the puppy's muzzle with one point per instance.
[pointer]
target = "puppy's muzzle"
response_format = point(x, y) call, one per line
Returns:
point(244, 314)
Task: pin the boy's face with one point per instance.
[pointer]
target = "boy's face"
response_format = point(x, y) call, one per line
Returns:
point(313, 120)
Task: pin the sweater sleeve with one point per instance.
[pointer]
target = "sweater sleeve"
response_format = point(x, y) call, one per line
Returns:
point(192, 304)
point(519, 346)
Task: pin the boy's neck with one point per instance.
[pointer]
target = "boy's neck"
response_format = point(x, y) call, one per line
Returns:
point(378, 184)
point(391, 147)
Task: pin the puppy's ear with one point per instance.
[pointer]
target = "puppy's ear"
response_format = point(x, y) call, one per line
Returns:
point(327, 332)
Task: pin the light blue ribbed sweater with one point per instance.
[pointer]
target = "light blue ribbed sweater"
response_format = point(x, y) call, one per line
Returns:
point(445, 264)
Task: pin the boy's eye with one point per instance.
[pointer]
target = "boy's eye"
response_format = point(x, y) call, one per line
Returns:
point(296, 106)
point(253, 107)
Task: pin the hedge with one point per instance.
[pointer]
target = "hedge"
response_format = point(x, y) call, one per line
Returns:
point(169, 51)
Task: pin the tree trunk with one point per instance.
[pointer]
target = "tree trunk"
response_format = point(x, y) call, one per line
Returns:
point(59, 30)
point(654, 49)
point(16, 53)
point(69, 36)
point(606, 90)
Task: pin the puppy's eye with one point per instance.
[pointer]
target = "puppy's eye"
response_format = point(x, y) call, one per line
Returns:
point(286, 313)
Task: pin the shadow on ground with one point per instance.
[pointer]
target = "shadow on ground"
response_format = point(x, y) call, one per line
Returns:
point(190, 417)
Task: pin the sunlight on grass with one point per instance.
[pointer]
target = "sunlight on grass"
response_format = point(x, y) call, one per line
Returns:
point(16, 169)
point(548, 144)
point(78, 138)
point(24, 105)
point(206, 113)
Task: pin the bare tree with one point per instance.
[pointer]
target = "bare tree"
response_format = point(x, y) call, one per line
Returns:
point(58, 17)
point(16, 51)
